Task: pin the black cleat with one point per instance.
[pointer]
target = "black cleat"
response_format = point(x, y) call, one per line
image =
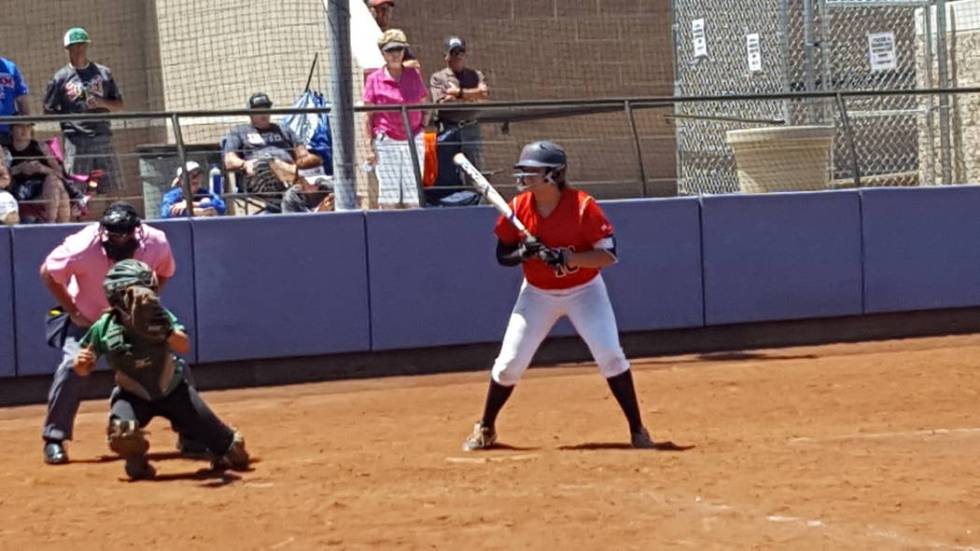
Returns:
point(138, 468)
point(192, 449)
point(54, 453)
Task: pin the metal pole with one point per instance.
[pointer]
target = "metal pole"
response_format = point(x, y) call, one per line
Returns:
point(846, 124)
point(944, 136)
point(930, 100)
point(826, 57)
point(185, 177)
point(416, 167)
point(809, 46)
point(641, 171)
point(678, 130)
point(784, 56)
point(342, 102)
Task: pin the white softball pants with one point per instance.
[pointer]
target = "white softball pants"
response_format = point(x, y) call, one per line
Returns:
point(536, 312)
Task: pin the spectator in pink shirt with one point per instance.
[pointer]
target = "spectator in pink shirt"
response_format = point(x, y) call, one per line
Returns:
point(73, 272)
point(388, 141)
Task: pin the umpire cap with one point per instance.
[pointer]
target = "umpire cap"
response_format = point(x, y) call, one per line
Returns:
point(542, 154)
point(120, 217)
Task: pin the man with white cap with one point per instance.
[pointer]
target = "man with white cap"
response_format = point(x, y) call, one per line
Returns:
point(83, 86)
point(312, 192)
point(204, 202)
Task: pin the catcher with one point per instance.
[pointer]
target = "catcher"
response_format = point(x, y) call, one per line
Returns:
point(140, 339)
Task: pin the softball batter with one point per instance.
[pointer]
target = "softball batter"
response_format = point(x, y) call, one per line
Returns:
point(561, 278)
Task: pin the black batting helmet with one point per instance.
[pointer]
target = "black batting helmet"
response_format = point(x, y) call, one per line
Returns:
point(547, 155)
point(542, 154)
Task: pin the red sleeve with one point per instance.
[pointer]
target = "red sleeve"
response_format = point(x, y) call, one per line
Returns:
point(506, 231)
point(595, 225)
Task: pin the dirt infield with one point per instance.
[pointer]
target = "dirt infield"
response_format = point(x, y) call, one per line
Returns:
point(854, 446)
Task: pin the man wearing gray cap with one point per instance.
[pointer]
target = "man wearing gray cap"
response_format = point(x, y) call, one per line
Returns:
point(459, 131)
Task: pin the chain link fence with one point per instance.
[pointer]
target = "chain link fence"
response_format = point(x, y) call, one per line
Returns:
point(187, 55)
point(734, 47)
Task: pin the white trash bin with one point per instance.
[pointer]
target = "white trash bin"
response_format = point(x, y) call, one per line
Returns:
point(783, 158)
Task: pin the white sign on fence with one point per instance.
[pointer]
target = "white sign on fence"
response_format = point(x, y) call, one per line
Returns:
point(754, 49)
point(881, 51)
point(698, 38)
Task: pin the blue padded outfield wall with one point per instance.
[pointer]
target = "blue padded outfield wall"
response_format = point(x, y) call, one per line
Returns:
point(8, 349)
point(289, 285)
point(657, 282)
point(920, 248)
point(781, 256)
point(305, 285)
point(434, 278)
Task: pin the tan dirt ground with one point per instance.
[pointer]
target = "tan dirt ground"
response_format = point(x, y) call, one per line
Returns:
point(853, 446)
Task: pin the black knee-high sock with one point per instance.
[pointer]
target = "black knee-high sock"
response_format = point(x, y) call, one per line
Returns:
point(497, 396)
point(622, 388)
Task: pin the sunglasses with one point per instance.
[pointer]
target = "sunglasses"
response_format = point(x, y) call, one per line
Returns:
point(394, 50)
point(118, 234)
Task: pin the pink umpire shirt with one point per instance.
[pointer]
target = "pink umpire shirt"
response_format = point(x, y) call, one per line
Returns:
point(81, 264)
point(382, 89)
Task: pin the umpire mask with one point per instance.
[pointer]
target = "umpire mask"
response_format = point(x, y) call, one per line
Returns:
point(119, 225)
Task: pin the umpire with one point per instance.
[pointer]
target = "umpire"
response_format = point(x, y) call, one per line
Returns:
point(74, 272)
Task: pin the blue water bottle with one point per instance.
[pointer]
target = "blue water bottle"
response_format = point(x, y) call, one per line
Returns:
point(215, 180)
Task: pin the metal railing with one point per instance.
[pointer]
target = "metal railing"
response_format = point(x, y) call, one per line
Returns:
point(619, 132)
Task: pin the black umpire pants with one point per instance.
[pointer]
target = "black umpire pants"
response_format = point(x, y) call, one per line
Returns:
point(184, 408)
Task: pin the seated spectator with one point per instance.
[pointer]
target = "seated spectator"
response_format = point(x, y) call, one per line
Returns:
point(313, 192)
point(459, 131)
point(36, 177)
point(8, 205)
point(269, 154)
point(388, 141)
point(205, 203)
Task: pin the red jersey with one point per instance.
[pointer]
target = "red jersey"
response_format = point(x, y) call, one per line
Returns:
point(576, 223)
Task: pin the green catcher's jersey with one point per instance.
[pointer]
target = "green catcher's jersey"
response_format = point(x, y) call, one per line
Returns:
point(149, 370)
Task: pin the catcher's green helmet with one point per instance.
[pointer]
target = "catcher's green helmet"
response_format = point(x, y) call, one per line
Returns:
point(125, 274)
point(76, 35)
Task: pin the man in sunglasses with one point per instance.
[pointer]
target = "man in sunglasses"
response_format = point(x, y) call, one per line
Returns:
point(74, 272)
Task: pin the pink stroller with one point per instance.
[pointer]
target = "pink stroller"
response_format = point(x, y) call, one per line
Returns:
point(80, 187)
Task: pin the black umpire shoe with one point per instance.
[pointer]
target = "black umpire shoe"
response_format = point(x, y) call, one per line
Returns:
point(54, 453)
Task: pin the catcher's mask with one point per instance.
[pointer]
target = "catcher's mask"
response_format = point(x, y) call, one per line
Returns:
point(119, 225)
point(542, 154)
point(125, 274)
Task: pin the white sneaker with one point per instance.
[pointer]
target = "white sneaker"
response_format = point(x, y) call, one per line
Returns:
point(481, 439)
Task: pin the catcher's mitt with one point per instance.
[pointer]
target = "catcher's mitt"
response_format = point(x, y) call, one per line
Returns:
point(143, 316)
